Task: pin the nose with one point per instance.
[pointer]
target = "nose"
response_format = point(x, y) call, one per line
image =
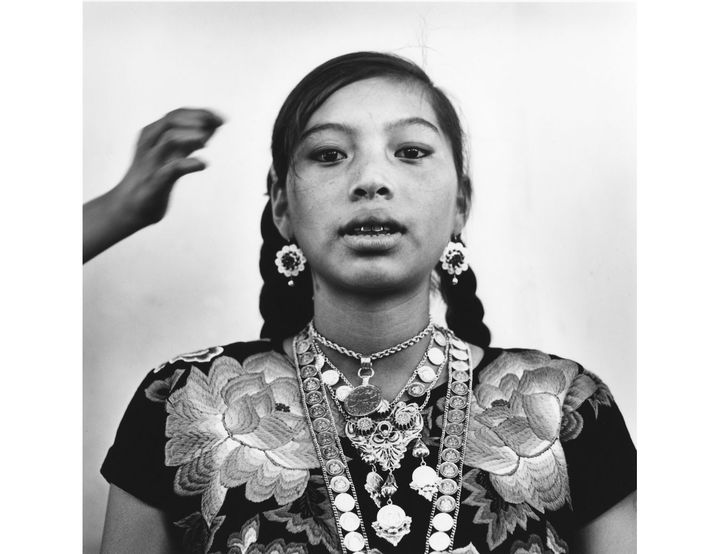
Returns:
point(372, 180)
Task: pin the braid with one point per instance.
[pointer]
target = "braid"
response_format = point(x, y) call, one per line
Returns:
point(284, 309)
point(465, 311)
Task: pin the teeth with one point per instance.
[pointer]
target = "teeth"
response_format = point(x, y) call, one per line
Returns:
point(372, 229)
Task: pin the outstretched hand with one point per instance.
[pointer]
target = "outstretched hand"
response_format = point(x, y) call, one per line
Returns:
point(162, 156)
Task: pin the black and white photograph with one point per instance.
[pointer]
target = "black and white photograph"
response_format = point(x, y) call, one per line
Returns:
point(359, 277)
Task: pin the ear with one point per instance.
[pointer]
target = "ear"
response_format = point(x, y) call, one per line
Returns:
point(462, 205)
point(280, 211)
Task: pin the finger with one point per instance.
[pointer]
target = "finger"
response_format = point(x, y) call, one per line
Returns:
point(181, 118)
point(172, 171)
point(176, 143)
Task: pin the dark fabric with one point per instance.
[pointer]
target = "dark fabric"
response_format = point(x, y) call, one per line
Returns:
point(213, 438)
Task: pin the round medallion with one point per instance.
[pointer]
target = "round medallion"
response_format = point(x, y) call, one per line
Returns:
point(302, 346)
point(445, 503)
point(461, 376)
point(452, 441)
point(416, 389)
point(440, 339)
point(364, 425)
point(461, 389)
point(320, 361)
point(334, 467)
point(459, 354)
point(325, 438)
point(349, 521)
point(363, 400)
point(442, 522)
point(354, 541)
point(455, 416)
point(448, 470)
point(342, 392)
point(311, 384)
point(454, 429)
point(340, 483)
point(390, 515)
point(317, 410)
point(439, 541)
point(321, 424)
point(306, 358)
point(451, 455)
point(447, 486)
point(329, 451)
point(436, 356)
point(427, 374)
point(424, 475)
point(459, 365)
point(344, 502)
point(457, 343)
point(458, 402)
point(313, 397)
point(307, 371)
point(330, 377)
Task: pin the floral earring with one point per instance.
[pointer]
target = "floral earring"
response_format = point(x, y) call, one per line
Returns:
point(290, 261)
point(454, 258)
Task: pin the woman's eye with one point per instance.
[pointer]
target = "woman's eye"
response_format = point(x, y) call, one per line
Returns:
point(412, 153)
point(328, 156)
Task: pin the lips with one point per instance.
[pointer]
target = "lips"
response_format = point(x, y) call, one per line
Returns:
point(371, 226)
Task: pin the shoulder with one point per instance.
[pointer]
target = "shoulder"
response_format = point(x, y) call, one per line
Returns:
point(210, 364)
point(532, 372)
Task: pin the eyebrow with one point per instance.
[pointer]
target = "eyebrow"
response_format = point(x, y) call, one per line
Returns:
point(348, 130)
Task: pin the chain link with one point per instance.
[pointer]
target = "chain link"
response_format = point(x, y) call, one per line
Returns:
point(375, 356)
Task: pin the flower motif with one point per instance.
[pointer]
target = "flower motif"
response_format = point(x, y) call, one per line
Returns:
point(454, 258)
point(516, 415)
point(159, 390)
point(290, 260)
point(245, 542)
point(204, 355)
point(239, 424)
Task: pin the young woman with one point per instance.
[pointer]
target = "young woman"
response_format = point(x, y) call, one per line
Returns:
point(357, 424)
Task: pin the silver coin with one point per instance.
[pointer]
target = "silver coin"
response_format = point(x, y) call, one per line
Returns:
point(342, 392)
point(439, 541)
point(334, 467)
point(324, 438)
point(416, 389)
point(307, 371)
point(453, 441)
point(363, 400)
point(354, 541)
point(461, 389)
point(447, 486)
point(455, 416)
point(427, 374)
point(306, 358)
point(340, 483)
point(451, 455)
point(458, 402)
point(349, 521)
point(436, 356)
point(448, 470)
point(303, 346)
point(442, 521)
point(445, 503)
point(311, 384)
point(457, 343)
point(459, 354)
point(321, 425)
point(460, 365)
point(314, 397)
point(330, 377)
point(329, 452)
point(390, 515)
point(461, 376)
point(317, 410)
point(440, 339)
point(344, 502)
point(454, 429)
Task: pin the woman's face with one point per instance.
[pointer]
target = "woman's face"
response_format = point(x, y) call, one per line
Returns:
point(372, 192)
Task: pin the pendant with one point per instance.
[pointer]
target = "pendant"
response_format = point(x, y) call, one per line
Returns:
point(391, 523)
point(373, 484)
point(425, 481)
point(363, 400)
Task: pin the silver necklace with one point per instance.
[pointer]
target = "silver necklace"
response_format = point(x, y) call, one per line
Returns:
point(366, 398)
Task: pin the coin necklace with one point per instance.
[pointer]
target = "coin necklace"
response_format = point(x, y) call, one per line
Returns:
point(343, 495)
point(366, 398)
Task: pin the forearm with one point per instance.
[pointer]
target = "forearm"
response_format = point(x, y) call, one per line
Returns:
point(104, 224)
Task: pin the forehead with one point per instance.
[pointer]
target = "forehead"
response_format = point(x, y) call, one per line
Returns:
point(375, 100)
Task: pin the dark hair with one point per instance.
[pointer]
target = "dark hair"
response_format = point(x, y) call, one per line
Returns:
point(285, 309)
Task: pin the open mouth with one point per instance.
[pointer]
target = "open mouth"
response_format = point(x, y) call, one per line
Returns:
point(372, 230)
point(371, 227)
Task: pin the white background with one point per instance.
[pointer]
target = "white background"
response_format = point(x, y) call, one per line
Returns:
point(547, 95)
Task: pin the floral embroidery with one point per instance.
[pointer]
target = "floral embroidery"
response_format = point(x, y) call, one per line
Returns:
point(554, 542)
point(501, 517)
point(204, 355)
point(312, 514)
point(158, 391)
point(586, 386)
point(468, 549)
point(245, 542)
point(516, 413)
point(239, 424)
point(198, 535)
point(533, 546)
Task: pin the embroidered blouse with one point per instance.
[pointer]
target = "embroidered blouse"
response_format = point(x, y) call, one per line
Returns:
point(217, 439)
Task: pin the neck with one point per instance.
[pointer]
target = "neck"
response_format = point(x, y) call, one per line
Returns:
point(368, 324)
